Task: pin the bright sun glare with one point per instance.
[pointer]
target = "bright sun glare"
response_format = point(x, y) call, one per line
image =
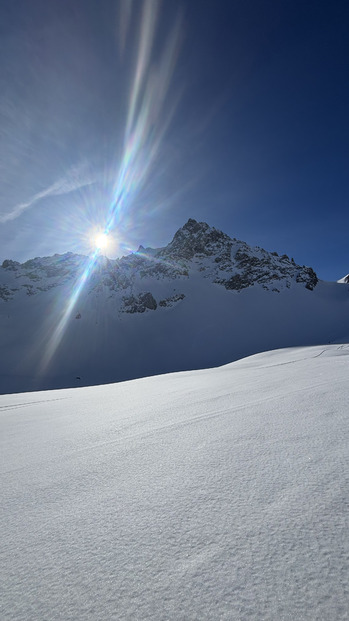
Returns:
point(101, 241)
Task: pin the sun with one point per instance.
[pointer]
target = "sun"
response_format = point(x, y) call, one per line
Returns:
point(101, 241)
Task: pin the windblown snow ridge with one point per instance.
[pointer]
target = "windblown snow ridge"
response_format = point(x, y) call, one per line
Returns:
point(212, 494)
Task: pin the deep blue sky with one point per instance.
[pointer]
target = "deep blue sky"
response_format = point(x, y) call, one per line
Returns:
point(241, 121)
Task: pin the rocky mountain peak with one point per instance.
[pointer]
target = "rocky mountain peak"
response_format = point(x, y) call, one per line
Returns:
point(196, 249)
point(193, 226)
point(197, 238)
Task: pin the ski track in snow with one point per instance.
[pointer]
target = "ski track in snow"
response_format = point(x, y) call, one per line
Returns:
point(218, 494)
point(5, 408)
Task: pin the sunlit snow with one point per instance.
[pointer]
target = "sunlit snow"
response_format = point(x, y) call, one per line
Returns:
point(218, 494)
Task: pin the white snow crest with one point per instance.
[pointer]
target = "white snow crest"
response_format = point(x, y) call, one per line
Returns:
point(219, 494)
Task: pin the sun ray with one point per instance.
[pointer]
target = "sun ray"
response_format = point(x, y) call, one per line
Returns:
point(148, 118)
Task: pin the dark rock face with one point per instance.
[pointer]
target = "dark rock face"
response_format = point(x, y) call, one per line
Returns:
point(346, 279)
point(308, 276)
point(171, 300)
point(237, 282)
point(198, 238)
point(10, 265)
point(253, 266)
point(236, 265)
point(139, 304)
point(5, 294)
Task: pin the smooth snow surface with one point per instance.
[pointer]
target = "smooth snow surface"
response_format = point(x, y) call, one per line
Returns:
point(207, 495)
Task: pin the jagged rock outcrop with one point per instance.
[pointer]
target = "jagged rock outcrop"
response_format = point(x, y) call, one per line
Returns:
point(308, 276)
point(198, 239)
point(171, 300)
point(139, 303)
point(10, 265)
point(5, 293)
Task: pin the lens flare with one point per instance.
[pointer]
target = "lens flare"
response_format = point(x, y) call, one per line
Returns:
point(150, 111)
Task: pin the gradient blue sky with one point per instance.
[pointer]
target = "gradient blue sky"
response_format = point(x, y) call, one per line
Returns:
point(240, 119)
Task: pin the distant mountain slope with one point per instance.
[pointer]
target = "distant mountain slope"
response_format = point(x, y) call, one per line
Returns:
point(203, 300)
point(219, 494)
point(196, 247)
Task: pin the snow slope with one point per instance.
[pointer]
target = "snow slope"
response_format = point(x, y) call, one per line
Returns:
point(202, 301)
point(218, 494)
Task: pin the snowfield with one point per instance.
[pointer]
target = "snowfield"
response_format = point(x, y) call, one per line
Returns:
point(217, 494)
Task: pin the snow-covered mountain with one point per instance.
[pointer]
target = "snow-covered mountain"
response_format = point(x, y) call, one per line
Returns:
point(203, 300)
point(219, 494)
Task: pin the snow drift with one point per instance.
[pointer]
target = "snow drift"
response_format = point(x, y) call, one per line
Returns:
point(212, 494)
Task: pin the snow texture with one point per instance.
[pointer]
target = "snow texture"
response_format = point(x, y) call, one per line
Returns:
point(217, 494)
